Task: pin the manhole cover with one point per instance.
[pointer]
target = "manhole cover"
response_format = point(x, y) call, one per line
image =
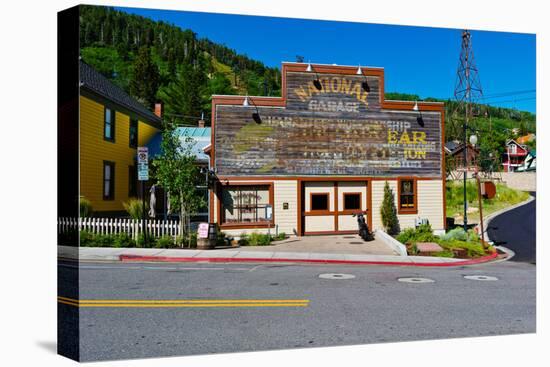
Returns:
point(336, 276)
point(415, 280)
point(480, 277)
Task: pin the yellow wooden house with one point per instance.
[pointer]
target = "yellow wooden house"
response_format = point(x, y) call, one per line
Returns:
point(112, 126)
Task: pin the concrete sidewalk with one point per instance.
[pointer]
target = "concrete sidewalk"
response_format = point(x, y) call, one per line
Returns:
point(243, 255)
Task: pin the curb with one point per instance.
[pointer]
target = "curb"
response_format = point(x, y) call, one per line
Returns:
point(137, 258)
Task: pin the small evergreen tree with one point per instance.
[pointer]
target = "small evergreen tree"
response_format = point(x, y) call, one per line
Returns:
point(388, 211)
point(145, 78)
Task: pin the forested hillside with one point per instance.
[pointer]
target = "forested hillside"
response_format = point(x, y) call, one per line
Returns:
point(158, 61)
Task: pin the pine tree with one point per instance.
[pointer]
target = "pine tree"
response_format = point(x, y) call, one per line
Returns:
point(388, 212)
point(184, 96)
point(145, 78)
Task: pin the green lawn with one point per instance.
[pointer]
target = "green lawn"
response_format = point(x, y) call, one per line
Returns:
point(505, 197)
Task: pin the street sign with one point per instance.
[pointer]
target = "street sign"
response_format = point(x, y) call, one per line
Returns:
point(143, 163)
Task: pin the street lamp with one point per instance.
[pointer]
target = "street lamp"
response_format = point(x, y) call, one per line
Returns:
point(473, 141)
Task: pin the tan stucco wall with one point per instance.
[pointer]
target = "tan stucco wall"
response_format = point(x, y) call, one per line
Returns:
point(319, 223)
point(360, 186)
point(316, 188)
point(286, 192)
point(430, 204)
point(347, 223)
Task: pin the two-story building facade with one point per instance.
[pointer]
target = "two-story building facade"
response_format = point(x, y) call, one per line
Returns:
point(112, 126)
point(305, 162)
point(514, 156)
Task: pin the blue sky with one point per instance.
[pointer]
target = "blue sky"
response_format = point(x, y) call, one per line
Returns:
point(418, 60)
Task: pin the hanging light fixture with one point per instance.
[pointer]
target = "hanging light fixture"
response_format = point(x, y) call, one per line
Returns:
point(419, 119)
point(365, 84)
point(316, 82)
point(255, 115)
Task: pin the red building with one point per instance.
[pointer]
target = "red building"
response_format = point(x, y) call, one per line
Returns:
point(515, 155)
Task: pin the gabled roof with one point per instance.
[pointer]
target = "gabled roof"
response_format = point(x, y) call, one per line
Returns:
point(524, 147)
point(95, 82)
point(451, 145)
point(458, 147)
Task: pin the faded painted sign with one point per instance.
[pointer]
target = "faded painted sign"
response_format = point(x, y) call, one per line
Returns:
point(339, 130)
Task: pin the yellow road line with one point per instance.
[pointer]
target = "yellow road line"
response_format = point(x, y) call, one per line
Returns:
point(183, 303)
point(184, 300)
point(208, 305)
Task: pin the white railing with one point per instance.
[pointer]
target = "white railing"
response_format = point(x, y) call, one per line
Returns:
point(132, 227)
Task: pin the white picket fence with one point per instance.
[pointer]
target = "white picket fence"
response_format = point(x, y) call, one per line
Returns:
point(133, 227)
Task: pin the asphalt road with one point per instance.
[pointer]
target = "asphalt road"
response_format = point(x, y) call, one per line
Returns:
point(516, 230)
point(372, 307)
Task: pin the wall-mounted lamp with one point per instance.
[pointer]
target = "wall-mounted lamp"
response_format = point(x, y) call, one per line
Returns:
point(365, 84)
point(473, 140)
point(255, 115)
point(316, 83)
point(419, 119)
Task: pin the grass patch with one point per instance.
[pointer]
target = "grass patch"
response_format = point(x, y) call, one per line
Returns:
point(505, 197)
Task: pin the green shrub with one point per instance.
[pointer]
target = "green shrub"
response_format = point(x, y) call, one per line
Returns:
point(103, 240)
point(243, 240)
point(86, 239)
point(457, 233)
point(281, 236)
point(193, 240)
point(444, 253)
point(123, 240)
point(259, 239)
point(165, 242)
point(134, 207)
point(473, 249)
point(86, 209)
point(145, 244)
point(406, 236)
point(189, 241)
point(423, 233)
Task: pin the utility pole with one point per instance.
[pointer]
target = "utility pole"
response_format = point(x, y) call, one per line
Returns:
point(467, 91)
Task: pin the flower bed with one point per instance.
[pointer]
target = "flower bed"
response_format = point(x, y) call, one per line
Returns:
point(456, 243)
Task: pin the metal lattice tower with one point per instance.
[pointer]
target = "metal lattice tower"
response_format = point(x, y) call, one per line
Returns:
point(467, 87)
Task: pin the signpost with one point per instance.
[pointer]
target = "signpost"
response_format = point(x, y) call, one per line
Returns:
point(143, 175)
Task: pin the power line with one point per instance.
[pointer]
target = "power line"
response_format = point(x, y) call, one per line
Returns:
point(506, 94)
